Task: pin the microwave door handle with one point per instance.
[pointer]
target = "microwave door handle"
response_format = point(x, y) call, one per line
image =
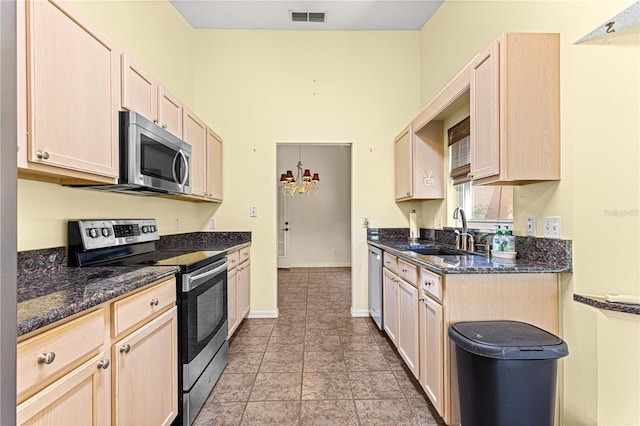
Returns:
point(186, 168)
point(173, 167)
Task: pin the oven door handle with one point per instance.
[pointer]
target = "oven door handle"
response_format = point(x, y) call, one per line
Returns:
point(193, 281)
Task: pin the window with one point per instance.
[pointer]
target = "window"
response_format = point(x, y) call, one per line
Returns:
point(486, 206)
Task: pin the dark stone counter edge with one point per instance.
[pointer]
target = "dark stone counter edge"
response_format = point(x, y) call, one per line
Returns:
point(600, 303)
point(52, 316)
point(508, 269)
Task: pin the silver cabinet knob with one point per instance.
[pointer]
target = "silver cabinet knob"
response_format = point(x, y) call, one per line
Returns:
point(164, 126)
point(42, 155)
point(154, 302)
point(124, 349)
point(46, 358)
point(155, 121)
point(104, 364)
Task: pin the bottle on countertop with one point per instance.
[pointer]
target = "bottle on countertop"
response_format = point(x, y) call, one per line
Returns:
point(497, 241)
point(510, 241)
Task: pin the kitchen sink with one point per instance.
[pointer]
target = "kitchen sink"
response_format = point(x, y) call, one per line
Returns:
point(439, 251)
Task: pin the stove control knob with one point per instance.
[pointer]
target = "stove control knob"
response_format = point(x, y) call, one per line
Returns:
point(153, 228)
point(93, 232)
point(106, 232)
point(145, 229)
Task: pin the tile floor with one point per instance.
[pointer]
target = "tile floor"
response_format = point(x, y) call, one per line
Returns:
point(315, 364)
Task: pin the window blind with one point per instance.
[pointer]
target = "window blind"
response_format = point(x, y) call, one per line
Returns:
point(460, 144)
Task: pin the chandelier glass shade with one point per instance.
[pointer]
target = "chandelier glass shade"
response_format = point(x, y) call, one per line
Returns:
point(303, 184)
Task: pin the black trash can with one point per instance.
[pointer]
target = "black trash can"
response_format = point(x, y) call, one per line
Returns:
point(506, 373)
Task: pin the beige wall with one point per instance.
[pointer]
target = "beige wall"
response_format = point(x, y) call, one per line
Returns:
point(258, 88)
point(598, 194)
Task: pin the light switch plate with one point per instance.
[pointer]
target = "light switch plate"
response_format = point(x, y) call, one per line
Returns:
point(212, 223)
point(552, 226)
point(253, 211)
point(531, 226)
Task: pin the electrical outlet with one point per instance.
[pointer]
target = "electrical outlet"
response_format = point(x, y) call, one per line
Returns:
point(531, 226)
point(552, 226)
point(177, 224)
point(434, 223)
point(212, 223)
point(439, 222)
point(253, 211)
point(365, 222)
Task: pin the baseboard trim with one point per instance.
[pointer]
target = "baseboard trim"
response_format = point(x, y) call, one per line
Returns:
point(263, 314)
point(359, 312)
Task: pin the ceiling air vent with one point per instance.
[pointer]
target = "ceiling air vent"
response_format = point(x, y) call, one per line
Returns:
point(308, 16)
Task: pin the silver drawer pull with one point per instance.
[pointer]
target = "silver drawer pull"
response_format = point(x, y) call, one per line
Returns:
point(104, 364)
point(154, 302)
point(124, 349)
point(46, 358)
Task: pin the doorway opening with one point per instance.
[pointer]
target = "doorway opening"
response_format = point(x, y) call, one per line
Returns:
point(314, 231)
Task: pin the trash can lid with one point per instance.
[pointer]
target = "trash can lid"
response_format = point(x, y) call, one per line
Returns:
point(507, 340)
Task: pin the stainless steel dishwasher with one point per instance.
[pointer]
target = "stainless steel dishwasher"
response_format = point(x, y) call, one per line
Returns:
point(375, 285)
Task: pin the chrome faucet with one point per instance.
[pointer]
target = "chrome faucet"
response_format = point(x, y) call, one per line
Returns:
point(464, 240)
point(462, 217)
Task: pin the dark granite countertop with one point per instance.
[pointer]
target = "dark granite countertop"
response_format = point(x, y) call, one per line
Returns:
point(49, 291)
point(466, 264)
point(600, 303)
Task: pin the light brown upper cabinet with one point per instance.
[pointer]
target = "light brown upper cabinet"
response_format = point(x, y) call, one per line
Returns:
point(142, 93)
point(419, 163)
point(515, 110)
point(68, 96)
point(214, 166)
point(195, 134)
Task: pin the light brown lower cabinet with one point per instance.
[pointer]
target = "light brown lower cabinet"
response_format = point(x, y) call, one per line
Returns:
point(145, 384)
point(431, 351)
point(238, 287)
point(81, 397)
point(65, 374)
point(400, 307)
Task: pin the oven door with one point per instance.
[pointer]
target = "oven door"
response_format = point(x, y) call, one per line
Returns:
point(203, 316)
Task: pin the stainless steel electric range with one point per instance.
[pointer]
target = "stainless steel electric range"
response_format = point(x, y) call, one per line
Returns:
point(201, 296)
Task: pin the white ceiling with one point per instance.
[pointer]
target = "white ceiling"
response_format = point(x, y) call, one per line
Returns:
point(348, 15)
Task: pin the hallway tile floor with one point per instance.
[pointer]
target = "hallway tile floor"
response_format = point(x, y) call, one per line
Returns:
point(315, 364)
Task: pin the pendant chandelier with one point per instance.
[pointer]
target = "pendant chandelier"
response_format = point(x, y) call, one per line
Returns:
point(303, 184)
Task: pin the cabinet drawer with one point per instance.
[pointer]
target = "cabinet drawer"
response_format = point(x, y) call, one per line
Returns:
point(408, 272)
point(234, 259)
point(390, 262)
point(431, 283)
point(244, 254)
point(56, 351)
point(141, 306)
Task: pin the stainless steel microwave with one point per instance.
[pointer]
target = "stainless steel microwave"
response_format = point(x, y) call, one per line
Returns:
point(152, 160)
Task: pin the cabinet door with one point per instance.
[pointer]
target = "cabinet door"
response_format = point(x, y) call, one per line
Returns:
point(214, 165)
point(431, 346)
point(403, 165)
point(390, 305)
point(81, 397)
point(485, 113)
point(195, 134)
point(139, 90)
point(244, 285)
point(408, 325)
point(170, 112)
point(146, 373)
point(73, 86)
point(232, 300)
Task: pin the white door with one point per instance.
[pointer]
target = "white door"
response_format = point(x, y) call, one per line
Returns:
point(284, 260)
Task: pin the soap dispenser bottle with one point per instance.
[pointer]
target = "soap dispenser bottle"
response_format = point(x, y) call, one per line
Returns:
point(510, 241)
point(496, 244)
